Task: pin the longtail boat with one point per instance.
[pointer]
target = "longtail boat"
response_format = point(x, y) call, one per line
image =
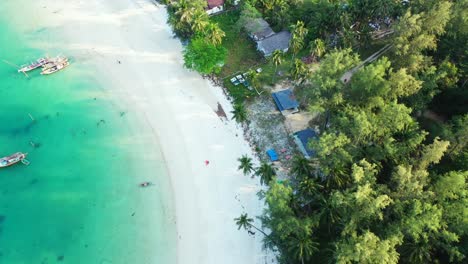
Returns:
point(53, 62)
point(34, 65)
point(55, 67)
point(12, 159)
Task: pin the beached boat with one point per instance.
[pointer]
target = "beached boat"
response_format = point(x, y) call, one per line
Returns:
point(34, 65)
point(12, 159)
point(55, 67)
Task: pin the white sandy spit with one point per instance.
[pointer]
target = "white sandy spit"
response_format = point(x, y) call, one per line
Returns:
point(177, 107)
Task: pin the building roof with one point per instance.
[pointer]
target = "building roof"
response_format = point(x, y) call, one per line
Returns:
point(258, 29)
point(304, 137)
point(214, 3)
point(285, 100)
point(278, 41)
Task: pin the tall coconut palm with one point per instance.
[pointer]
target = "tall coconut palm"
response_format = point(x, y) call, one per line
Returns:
point(277, 59)
point(300, 30)
point(417, 252)
point(301, 167)
point(330, 212)
point(338, 178)
point(184, 11)
point(299, 71)
point(266, 173)
point(214, 34)
point(239, 113)
point(303, 247)
point(245, 165)
point(296, 44)
point(254, 78)
point(243, 221)
point(298, 37)
point(200, 21)
point(268, 4)
point(317, 48)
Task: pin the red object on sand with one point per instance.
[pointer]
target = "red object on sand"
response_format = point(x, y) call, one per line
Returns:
point(207, 162)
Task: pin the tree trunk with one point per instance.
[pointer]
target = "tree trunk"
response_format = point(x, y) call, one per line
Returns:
point(259, 230)
point(276, 72)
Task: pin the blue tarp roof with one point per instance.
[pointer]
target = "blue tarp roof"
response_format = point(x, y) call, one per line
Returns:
point(272, 154)
point(305, 136)
point(285, 100)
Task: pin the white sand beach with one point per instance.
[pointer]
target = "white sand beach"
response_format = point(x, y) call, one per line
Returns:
point(141, 64)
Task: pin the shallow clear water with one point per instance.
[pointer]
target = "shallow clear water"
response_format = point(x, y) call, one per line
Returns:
point(78, 201)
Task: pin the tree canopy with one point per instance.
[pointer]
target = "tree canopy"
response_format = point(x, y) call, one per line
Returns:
point(204, 57)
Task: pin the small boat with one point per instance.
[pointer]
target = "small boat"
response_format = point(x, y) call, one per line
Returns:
point(12, 159)
point(34, 65)
point(53, 62)
point(145, 184)
point(55, 67)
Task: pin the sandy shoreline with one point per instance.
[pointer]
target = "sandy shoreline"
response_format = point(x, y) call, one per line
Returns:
point(141, 64)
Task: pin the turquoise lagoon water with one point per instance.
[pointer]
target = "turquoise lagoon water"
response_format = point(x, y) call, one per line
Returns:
point(78, 201)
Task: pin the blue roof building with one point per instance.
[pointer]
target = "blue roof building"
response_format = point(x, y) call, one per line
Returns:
point(303, 138)
point(286, 102)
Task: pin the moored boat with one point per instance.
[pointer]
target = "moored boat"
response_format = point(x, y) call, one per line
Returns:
point(34, 65)
point(55, 67)
point(12, 159)
point(53, 62)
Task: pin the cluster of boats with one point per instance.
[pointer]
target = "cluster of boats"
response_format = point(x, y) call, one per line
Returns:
point(49, 65)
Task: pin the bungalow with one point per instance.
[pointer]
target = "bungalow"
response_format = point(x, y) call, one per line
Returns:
point(278, 41)
point(267, 40)
point(258, 29)
point(214, 6)
point(286, 102)
point(302, 139)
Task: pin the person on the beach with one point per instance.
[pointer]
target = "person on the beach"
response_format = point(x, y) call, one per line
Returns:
point(207, 162)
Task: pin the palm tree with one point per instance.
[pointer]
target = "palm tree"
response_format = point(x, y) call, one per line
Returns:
point(338, 178)
point(243, 221)
point(254, 78)
point(330, 212)
point(214, 34)
point(268, 4)
point(298, 37)
point(184, 10)
point(200, 21)
point(299, 71)
point(301, 167)
point(296, 44)
point(277, 59)
point(266, 173)
point(303, 247)
point(239, 113)
point(309, 190)
point(417, 252)
point(300, 30)
point(245, 164)
point(317, 48)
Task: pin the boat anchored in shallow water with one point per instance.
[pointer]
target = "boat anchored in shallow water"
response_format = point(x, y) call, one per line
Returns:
point(34, 65)
point(54, 67)
point(13, 159)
